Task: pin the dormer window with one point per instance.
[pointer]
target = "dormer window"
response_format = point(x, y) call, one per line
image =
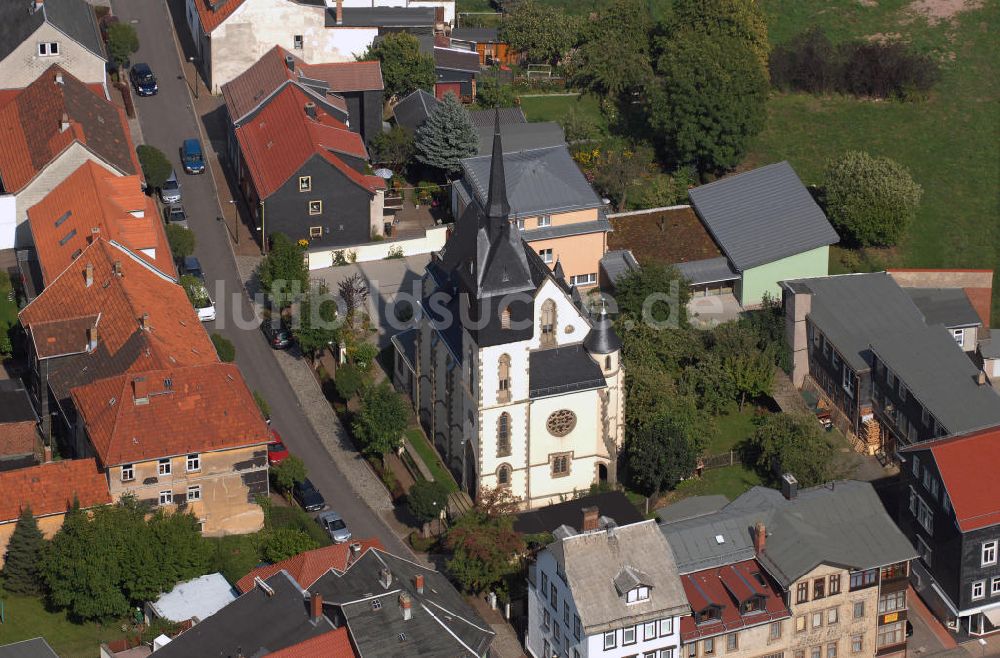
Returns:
point(637, 594)
point(711, 613)
point(753, 604)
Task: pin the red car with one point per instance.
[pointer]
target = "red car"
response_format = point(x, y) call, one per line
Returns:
point(276, 450)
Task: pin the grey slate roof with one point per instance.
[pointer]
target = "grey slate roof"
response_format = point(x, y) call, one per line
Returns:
point(15, 405)
point(544, 180)
point(522, 136)
point(613, 505)
point(413, 110)
point(710, 270)
point(406, 344)
point(600, 225)
point(477, 34)
point(939, 374)
point(562, 370)
point(75, 18)
point(762, 216)
point(594, 561)
point(990, 348)
point(34, 648)
point(602, 338)
point(691, 507)
point(695, 544)
point(948, 306)
point(383, 17)
point(508, 116)
point(618, 263)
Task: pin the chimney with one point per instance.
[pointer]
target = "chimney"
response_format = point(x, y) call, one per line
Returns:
point(92, 338)
point(340, 12)
point(58, 77)
point(140, 391)
point(590, 516)
point(385, 577)
point(94, 232)
point(406, 605)
point(117, 269)
point(418, 583)
point(47, 454)
point(981, 378)
point(311, 110)
point(144, 322)
point(759, 537)
point(89, 275)
point(315, 606)
point(64, 123)
point(290, 63)
point(789, 486)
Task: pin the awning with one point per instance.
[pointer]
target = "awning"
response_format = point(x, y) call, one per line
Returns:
point(993, 614)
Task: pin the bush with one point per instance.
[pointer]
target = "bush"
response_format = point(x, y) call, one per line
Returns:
point(380, 422)
point(871, 200)
point(6, 346)
point(426, 500)
point(265, 408)
point(156, 168)
point(490, 93)
point(122, 42)
point(364, 356)
point(283, 543)
point(289, 472)
point(348, 381)
point(421, 544)
point(578, 126)
point(225, 348)
point(181, 240)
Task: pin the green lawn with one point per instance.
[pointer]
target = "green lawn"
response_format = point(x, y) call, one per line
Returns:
point(950, 142)
point(26, 618)
point(553, 108)
point(8, 306)
point(729, 481)
point(431, 458)
point(730, 429)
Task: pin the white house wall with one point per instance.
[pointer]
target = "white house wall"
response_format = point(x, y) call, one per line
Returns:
point(23, 66)
point(8, 221)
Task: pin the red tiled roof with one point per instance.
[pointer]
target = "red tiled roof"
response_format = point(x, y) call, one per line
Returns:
point(968, 467)
point(92, 197)
point(306, 568)
point(281, 138)
point(173, 411)
point(18, 438)
point(58, 319)
point(213, 18)
point(50, 488)
point(32, 133)
point(347, 76)
point(332, 644)
point(726, 587)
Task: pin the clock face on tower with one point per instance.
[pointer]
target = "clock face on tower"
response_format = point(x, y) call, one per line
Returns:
point(561, 423)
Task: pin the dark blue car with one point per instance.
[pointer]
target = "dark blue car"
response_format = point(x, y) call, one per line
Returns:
point(143, 80)
point(192, 157)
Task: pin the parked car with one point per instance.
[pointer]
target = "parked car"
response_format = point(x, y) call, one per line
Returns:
point(171, 190)
point(280, 337)
point(334, 524)
point(143, 80)
point(176, 215)
point(192, 157)
point(190, 265)
point(276, 450)
point(308, 496)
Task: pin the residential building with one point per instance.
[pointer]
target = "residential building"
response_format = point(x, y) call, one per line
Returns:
point(952, 309)
point(487, 44)
point(47, 130)
point(514, 383)
point(308, 567)
point(609, 592)
point(302, 173)
point(94, 202)
point(194, 600)
point(34, 35)
point(34, 648)
point(181, 438)
point(412, 110)
point(19, 440)
point(230, 35)
point(108, 313)
point(829, 554)
point(351, 92)
point(49, 490)
point(950, 510)
point(556, 210)
point(976, 284)
point(456, 68)
point(602, 509)
point(769, 228)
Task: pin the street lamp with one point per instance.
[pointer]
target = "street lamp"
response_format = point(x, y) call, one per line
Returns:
point(193, 59)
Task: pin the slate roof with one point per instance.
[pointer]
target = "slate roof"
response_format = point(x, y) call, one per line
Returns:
point(453, 59)
point(15, 405)
point(63, 223)
point(544, 180)
point(940, 376)
point(617, 263)
point(74, 18)
point(406, 345)
point(967, 465)
point(602, 338)
point(712, 270)
point(477, 34)
point(442, 624)
point(413, 109)
point(508, 116)
point(50, 488)
point(691, 507)
point(563, 370)
point(383, 17)
point(257, 623)
point(592, 561)
point(522, 136)
point(600, 225)
point(762, 216)
point(33, 648)
point(613, 505)
point(948, 306)
point(197, 599)
point(694, 539)
point(31, 133)
point(306, 568)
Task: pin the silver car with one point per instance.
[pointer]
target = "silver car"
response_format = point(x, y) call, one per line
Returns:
point(171, 190)
point(334, 524)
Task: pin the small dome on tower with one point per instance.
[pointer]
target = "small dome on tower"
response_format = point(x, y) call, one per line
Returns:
point(602, 338)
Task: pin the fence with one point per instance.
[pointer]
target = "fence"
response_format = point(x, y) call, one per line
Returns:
point(731, 458)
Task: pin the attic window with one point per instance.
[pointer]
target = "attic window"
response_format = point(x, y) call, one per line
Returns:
point(62, 218)
point(69, 236)
point(48, 48)
point(719, 539)
point(640, 593)
point(76, 254)
point(402, 637)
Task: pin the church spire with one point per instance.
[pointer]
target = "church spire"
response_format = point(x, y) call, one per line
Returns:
point(497, 208)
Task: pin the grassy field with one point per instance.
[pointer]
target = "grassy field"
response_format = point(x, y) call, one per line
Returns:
point(730, 429)
point(950, 142)
point(553, 108)
point(26, 618)
point(430, 457)
point(729, 481)
point(8, 307)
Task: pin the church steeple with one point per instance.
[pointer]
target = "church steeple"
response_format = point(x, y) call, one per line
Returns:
point(497, 207)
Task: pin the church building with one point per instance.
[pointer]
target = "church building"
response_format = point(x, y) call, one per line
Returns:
point(514, 381)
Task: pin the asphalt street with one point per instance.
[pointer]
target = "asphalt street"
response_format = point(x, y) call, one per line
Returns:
point(167, 119)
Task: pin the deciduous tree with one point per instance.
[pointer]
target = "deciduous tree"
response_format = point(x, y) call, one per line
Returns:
point(426, 500)
point(288, 472)
point(613, 59)
point(662, 452)
point(750, 369)
point(283, 273)
point(447, 136)
point(743, 20)
point(21, 573)
point(181, 240)
point(316, 324)
point(490, 92)
point(404, 67)
point(621, 167)
point(786, 443)
point(283, 543)
point(484, 550)
point(380, 422)
point(122, 42)
point(540, 32)
point(156, 168)
point(393, 148)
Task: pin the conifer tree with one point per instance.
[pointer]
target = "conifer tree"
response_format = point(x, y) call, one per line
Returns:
point(447, 136)
point(20, 569)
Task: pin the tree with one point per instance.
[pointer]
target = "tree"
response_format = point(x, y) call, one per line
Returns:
point(484, 550)
point(122, 42)
point(21, 563)
point(620, 168)
point(786, 443)
point(363, 355)
point(181, 241)
point(393, 148)
point(709, 382)
point(316, 325)
point(156, 168)
point(224, 347)
point(194, 288)
point(404, 67)
point(426, 499)
point(660, 455)
point(283, 543)
point(490, 92)
point(283, 273)
point(709, 100)
point(541, 33)
point(447, 136)
point(871, 199)
point(654, 292)
point(738, 19)
point(354, 291)
point(288, 472)
point(749, 368)
point(380, 422)
point(497, 502)
point(613, 60)
point(348, 381)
